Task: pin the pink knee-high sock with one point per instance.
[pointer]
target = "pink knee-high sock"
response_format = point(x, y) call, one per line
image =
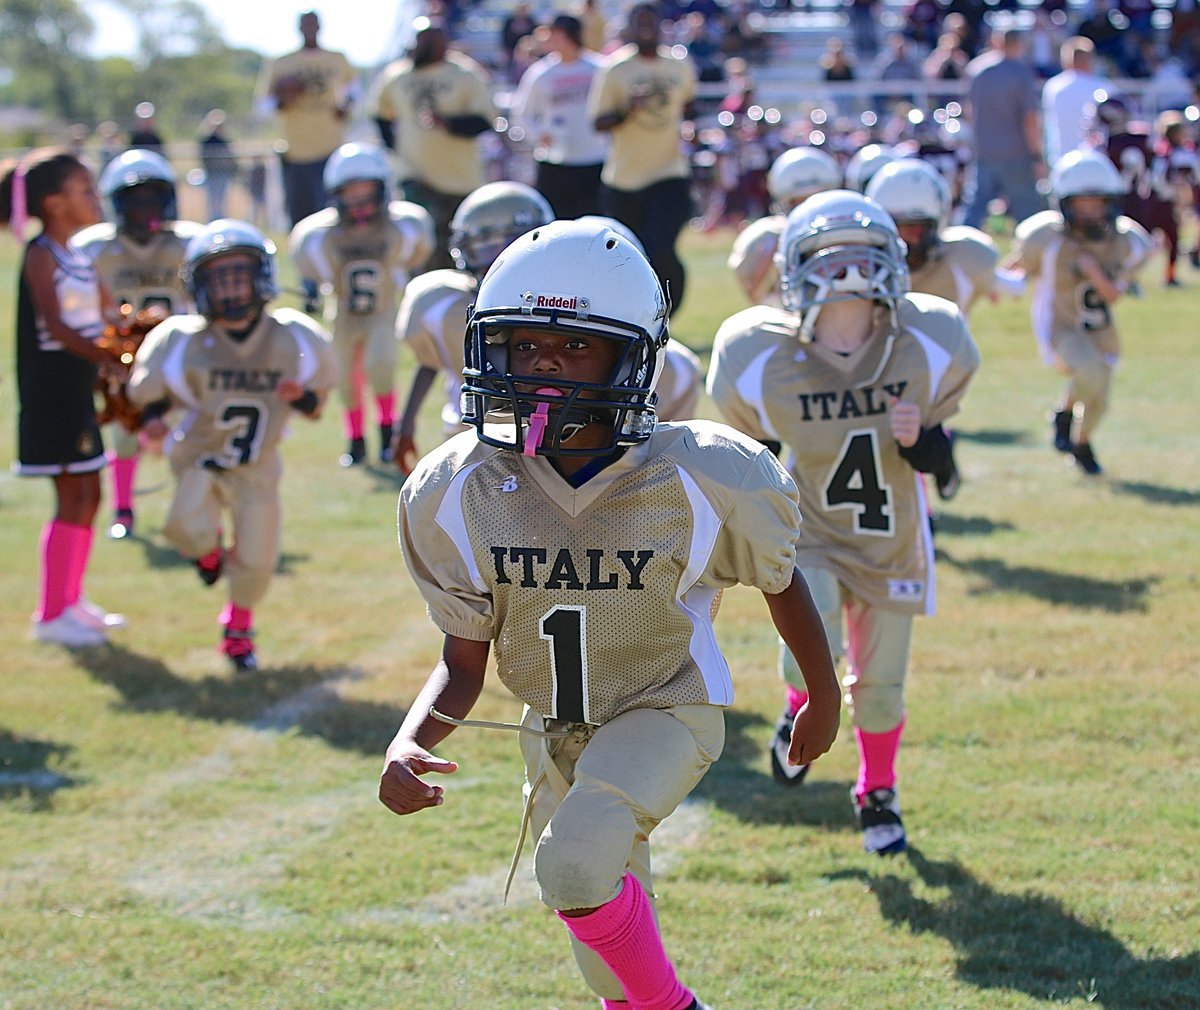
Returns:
point(59, 549)
point(877, 759)
point(81, 552)
point(625, 936)
point(237, 618)
point(385, 407)
point(614, 1004)
point(123, 471)
point(795, 700)
point(354, 423)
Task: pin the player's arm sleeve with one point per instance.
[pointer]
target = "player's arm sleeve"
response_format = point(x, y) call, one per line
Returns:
point(729, 385)
point(952, 384)
point(305, 246)
point(458, 604)
point(757, 543)
point(1140, 246)
point(411, 330)
point(147, 379)
point(605, 96)
point(480, 112)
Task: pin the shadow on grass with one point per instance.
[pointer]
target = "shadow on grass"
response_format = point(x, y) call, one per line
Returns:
point(25, 769)
point(993, 436)
point(741, 783)
point(1060, 588)
point(281, 698)
point(970, 526)
point(1029, 943)
point(1156, 494)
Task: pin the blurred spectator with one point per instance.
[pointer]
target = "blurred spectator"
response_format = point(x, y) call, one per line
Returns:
point(516, 26)
point(965, 19)
point(862, 14)
point(256, 186)
point(144, 135)
point(1008, 161)
point(740, 87)
point(642, 96)
point(1067, 98)
point(1045, 45)
point(895, 64)
point(551, 105)
point(947, 62)
point(311, 89)
point(595, 26)
point(220, 165)
point(430, 107)
point(1105, 26)
point(530, 49)
point(836, 67)
point(922, 22)
point(110, 143)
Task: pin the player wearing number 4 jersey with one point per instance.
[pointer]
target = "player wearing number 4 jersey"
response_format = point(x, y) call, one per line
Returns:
point(590, 545)
point(855, 376)
point(239, 372)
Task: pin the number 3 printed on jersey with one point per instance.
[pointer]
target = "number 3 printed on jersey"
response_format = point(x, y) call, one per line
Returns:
point(243, 419)
point(856, 482)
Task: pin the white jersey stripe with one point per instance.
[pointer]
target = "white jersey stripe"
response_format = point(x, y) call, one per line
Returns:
point(452, 521)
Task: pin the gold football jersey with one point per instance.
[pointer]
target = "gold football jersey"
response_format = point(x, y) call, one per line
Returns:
point(1063, 300)
point(961, 268)
point(365, 268)
point(432, 321)
point(863, 504)
point(234, 416)
point(141, 275)
point(679, 383)
point(599, 599)
point(752, 259)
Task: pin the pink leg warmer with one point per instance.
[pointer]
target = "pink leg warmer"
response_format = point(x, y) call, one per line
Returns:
point(877, 759)
point(237, 618)
point(385, 407)
point(61, 547)
point(354, 423)
point(123, 471)
point(795, 700)
point(81, 552)
point(625, 936)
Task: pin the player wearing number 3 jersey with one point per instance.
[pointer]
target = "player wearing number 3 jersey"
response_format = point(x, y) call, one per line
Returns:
point(854, 375)
point(238, 372)
point(589, 545)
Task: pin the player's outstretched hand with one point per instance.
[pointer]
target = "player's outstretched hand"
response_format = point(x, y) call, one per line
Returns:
point(906, 422)
point(401, 788)
point(813, 731)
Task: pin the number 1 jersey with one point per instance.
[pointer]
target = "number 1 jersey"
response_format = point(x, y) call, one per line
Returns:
point(600, 599)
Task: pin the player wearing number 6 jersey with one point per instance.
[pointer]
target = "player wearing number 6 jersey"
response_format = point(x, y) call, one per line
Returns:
point(854, 375)
point(362, 251)
point(590, 545)
point(239, 372)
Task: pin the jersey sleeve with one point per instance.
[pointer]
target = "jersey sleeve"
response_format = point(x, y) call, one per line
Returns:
point(318, 368)
point(757, 543)
point(429, 524)
point(1030, 239)
point(953, 362)
point(148, 380)
point(752, 258)
point(306, 246)
point(414, 225)
point(606, 94)
point(735, 379)
point(1139, 246)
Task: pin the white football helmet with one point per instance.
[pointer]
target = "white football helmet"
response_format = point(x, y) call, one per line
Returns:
point(216, 240)
point(358, 163)
point(914, 193)
point(490, 218)
point(864, 163)
point(154, 178)
point(573, 277)
point(838, 246)
point(1087, 173)
point(800, 172)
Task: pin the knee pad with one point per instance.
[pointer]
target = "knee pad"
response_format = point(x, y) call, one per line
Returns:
point(584, 851)
point(875, 709)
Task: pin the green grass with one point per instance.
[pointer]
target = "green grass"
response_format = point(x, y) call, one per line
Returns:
point(185, 840)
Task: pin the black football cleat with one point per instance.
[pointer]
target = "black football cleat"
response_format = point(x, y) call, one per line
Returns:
point(209, 567)
point(1086, 460)
point(238, 648)
point(355, 454)
point(122, 525)
point(1060, 424)
point(385, 444)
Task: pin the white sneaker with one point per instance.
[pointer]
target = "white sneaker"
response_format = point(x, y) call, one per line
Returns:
point(66, 630)
point(90, 615)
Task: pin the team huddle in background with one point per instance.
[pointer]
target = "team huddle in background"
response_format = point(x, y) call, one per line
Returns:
point(577, 516)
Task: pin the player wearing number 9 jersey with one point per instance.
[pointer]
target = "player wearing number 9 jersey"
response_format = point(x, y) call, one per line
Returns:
point(589, 544)
point(1080, 257)
point(854, 376)
point(239, 372)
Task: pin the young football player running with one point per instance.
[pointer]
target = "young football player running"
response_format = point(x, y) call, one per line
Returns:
point(604, 628)
point(240, 372)
point(363, 250)
point(854, 375)
point(794, 176)
point(1082, 256)
point(137, 256)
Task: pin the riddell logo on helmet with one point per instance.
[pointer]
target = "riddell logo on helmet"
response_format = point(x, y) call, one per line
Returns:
point(570, 302)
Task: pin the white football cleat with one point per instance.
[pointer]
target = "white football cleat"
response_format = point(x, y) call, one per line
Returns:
point(90, 615)
point(67, 631)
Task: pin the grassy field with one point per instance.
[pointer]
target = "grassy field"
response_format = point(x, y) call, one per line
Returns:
point(172, 838)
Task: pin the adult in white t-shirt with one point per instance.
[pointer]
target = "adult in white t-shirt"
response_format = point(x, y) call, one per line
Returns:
point(551, 105)
point(1067, 96)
